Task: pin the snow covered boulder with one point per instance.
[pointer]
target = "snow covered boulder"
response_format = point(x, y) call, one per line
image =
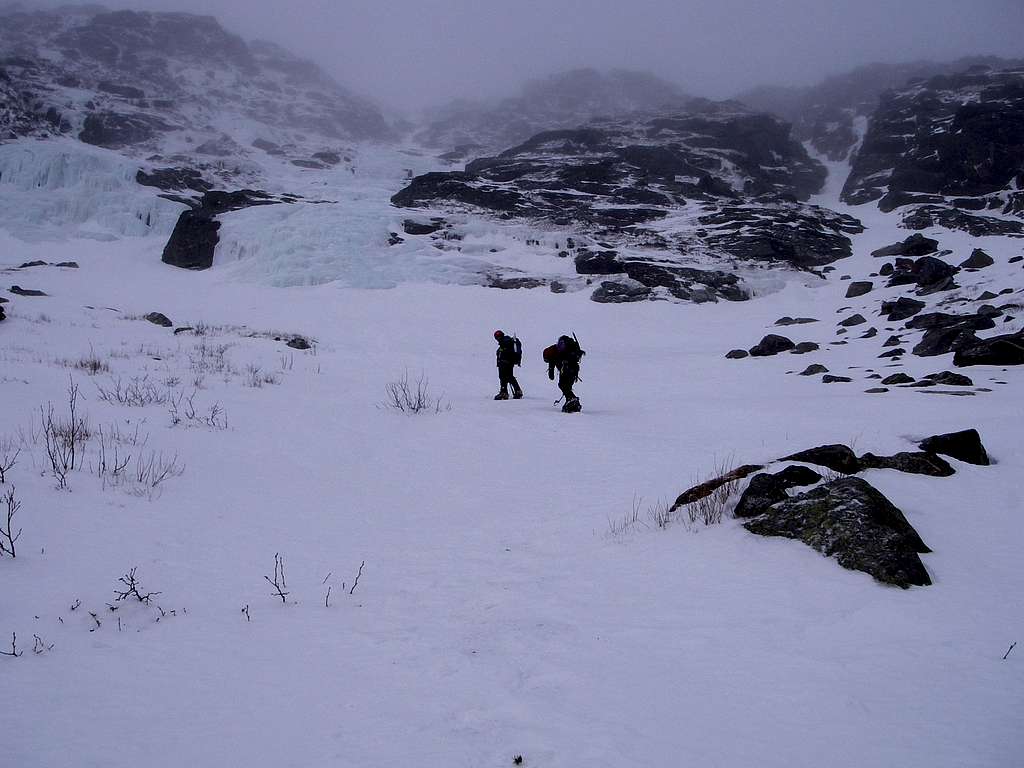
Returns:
point(901, 309)
point(852, 521)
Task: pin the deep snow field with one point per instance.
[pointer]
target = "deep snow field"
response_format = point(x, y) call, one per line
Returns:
point(501, 610)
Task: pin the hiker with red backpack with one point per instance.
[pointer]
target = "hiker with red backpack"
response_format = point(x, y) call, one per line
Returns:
point(565, 355)
point(509, 354)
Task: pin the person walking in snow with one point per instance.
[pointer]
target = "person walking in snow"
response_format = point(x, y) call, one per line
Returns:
point(509, 354)
point(565, 356)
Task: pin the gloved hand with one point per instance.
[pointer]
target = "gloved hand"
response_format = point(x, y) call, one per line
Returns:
point(551, 373)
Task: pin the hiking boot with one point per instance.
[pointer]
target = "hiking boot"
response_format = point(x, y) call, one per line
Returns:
point(503, 395)
point(517, 395)
point(572, 406)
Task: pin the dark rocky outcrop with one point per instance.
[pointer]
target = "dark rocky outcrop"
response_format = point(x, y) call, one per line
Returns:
point(915, 245)
point(1007, 349)
point(852, 521)
point(158, 318)
point(195, 235)
point(830, 379)
point(19, 291)
point(787, 320)
point(927, 272)
point(297, 342)
point(915, 463)
point(613, 292)
point(772, 344)
point(977, 260)
point(858, 288)
point(411, 227)
point(964, 445)
point(897, 378)
point(958, 135)
point(738, 175)
point(901, 309)
point(814, 369)
point(837, 457)
point(767, 489)
point(736, 354)
point(804, 347)
point(852, 320)
point(930, 216)
point(950, 379)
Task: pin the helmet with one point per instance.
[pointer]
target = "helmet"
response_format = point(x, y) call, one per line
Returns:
point(499, 334)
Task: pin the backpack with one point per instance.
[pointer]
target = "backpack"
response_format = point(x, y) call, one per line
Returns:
point(569, 348)
point(517, 347)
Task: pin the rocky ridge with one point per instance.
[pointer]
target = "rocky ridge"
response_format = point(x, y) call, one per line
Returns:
point(721, 185)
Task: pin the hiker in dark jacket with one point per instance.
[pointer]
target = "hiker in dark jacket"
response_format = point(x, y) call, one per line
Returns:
point(565, 356)
point(509, 354)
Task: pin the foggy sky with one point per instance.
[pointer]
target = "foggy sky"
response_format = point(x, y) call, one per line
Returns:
point(411, 53)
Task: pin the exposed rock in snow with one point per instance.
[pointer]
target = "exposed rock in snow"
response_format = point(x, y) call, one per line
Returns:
point(852, 521)
point(964, 445)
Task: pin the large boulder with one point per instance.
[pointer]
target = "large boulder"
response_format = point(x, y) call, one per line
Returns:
point(1007, 349)
point(964, 445)
point(772, 344)
point(902, 308)
point(852, 521)
point(977, 260)
point(915, 245)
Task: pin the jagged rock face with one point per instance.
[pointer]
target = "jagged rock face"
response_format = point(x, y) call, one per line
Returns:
point(722, 183)
point(958, 136)
point(852, 521)
point(825, 114)
point(468, 129)
point(126, 79)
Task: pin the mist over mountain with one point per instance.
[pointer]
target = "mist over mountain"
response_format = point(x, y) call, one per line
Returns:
point(824, 114)
point(562, 100)
point(130, 79)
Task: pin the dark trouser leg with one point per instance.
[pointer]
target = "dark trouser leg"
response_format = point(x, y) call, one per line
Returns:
point(506, 377)
point(566, 378)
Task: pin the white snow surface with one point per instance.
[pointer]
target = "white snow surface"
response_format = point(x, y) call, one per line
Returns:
point(497, 614)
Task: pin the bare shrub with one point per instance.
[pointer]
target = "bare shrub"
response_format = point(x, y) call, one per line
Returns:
point(413, 397)
point(92, 364)
point(660, 515)
point(9, 453)
point(629, 521)
point(207, 358)
point(256, 377)
point(183, 411)
point(710, 509)
point(113, 456)
point(138, 392)
point(65, 438)
point(278, 582)
point(707, 510)
point(7, 533)
point(131, 589)
point(153, 468)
